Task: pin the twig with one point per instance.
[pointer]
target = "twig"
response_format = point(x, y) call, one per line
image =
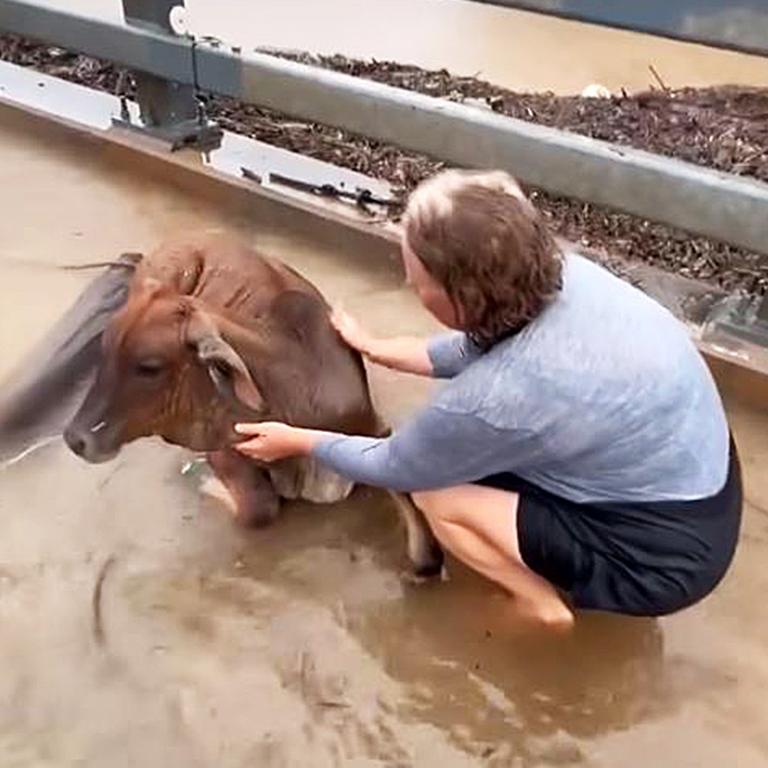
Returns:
point(303, 673)
point(129, 263)
point(94, 265)
point(127, 260)
point(657, 76)
point(334, 703)
point(98, 588)
point(251, 175)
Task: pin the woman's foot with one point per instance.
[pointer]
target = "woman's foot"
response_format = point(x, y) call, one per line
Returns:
point(553, 614)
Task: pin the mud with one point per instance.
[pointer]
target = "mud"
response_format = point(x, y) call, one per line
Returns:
point(718, 127)
point(300, 645)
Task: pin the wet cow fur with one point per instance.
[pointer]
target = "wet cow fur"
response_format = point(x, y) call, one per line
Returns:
point(189, 340)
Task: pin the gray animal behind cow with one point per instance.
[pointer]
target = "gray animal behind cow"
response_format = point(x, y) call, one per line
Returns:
point(186, 342)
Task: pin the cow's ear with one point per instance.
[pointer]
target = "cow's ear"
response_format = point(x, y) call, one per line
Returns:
point(226, 368)
point(42, 394)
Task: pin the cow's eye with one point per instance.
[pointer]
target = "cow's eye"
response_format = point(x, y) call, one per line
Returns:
point(223, 368)
point(149, 368)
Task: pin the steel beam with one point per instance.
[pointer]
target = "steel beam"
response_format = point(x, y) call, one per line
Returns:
point(170, 111)
point(138, 48)
point(700, 200)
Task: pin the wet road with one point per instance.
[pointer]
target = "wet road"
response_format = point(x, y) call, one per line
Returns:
point(300, 645)
point(520, 50)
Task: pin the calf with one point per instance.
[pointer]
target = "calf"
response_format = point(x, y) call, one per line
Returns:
point(208, 333)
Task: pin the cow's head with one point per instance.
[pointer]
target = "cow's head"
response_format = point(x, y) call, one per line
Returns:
point(168, 368)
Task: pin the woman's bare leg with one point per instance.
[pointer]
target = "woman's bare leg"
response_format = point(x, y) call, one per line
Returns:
point(478, 525)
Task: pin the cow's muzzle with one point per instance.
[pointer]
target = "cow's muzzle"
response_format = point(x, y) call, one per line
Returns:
point(91, 443)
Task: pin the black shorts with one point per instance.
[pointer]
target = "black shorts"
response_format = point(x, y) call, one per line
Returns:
point(643, 559)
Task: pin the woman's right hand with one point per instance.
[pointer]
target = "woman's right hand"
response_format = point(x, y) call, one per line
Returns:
point(351, 331)
point(407, 354)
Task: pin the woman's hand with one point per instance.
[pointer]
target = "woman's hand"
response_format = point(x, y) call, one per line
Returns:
point(406, 354)
point(351, 331)
point(271, 441)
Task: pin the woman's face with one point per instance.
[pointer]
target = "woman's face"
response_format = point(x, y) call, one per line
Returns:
point(431, 294)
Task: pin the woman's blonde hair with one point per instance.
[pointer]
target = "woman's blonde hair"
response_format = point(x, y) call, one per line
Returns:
point(479, 236)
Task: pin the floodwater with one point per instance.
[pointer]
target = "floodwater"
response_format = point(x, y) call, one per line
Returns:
point(520, 50)
point(300, 645)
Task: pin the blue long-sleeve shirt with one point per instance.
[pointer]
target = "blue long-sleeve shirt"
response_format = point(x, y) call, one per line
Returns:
point(603, 397)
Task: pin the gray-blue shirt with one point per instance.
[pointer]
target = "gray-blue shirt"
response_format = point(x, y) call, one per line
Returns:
point(603, 397)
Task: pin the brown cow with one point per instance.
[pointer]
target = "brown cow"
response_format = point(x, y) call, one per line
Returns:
point(213, 333)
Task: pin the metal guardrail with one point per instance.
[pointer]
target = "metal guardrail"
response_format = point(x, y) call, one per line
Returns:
point(703, 201)
point(741, 26)
point(696, 199)
point(143, 49)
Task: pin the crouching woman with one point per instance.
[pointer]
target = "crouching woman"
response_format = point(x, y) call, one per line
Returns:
point(579, 454)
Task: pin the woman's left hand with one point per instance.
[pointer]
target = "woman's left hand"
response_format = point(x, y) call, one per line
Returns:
point(271, 441)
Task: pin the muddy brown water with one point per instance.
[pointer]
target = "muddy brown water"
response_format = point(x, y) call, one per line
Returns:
point(300, 645)
point(519, 50)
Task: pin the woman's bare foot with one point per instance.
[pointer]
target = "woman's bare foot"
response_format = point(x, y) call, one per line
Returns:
point(523, 614)
point(553, 615)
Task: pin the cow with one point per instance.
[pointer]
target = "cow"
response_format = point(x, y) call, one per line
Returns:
point(202, 333)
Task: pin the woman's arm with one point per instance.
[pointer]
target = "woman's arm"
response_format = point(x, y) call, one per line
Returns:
point(407, 354)
point(437, 449)
point(450, 354)
point(441, 356)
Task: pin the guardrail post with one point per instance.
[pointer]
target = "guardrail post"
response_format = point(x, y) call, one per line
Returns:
point(742, 317)
point(170, 111)
point(762, 313)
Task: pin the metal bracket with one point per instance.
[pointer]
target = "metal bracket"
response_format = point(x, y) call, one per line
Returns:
point(743, 317)
point(762, 311)
point(170, 111)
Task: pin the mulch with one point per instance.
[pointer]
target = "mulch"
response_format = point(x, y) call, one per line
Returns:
point(725, 128)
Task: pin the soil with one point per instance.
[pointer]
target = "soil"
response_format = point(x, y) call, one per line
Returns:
point(724, 128)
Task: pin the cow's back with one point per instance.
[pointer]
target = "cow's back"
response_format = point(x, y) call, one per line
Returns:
point(231, 278)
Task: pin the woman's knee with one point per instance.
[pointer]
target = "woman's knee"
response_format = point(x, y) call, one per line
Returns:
point(447, 505)
point(461, 503)
point(434, 504)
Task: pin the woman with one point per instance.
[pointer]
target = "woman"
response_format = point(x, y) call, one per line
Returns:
point(580, 446)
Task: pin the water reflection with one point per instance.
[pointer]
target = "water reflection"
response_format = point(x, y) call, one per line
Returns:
point(513, 48)
point(466, 668)
point(606, 676)
point(719, 22)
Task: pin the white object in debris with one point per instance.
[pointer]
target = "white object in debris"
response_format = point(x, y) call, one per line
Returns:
point(596, 91)
point(194, 465)
point(215, 489)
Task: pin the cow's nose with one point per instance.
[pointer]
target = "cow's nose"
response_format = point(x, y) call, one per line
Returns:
point(94, 444)
point(77, 442)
